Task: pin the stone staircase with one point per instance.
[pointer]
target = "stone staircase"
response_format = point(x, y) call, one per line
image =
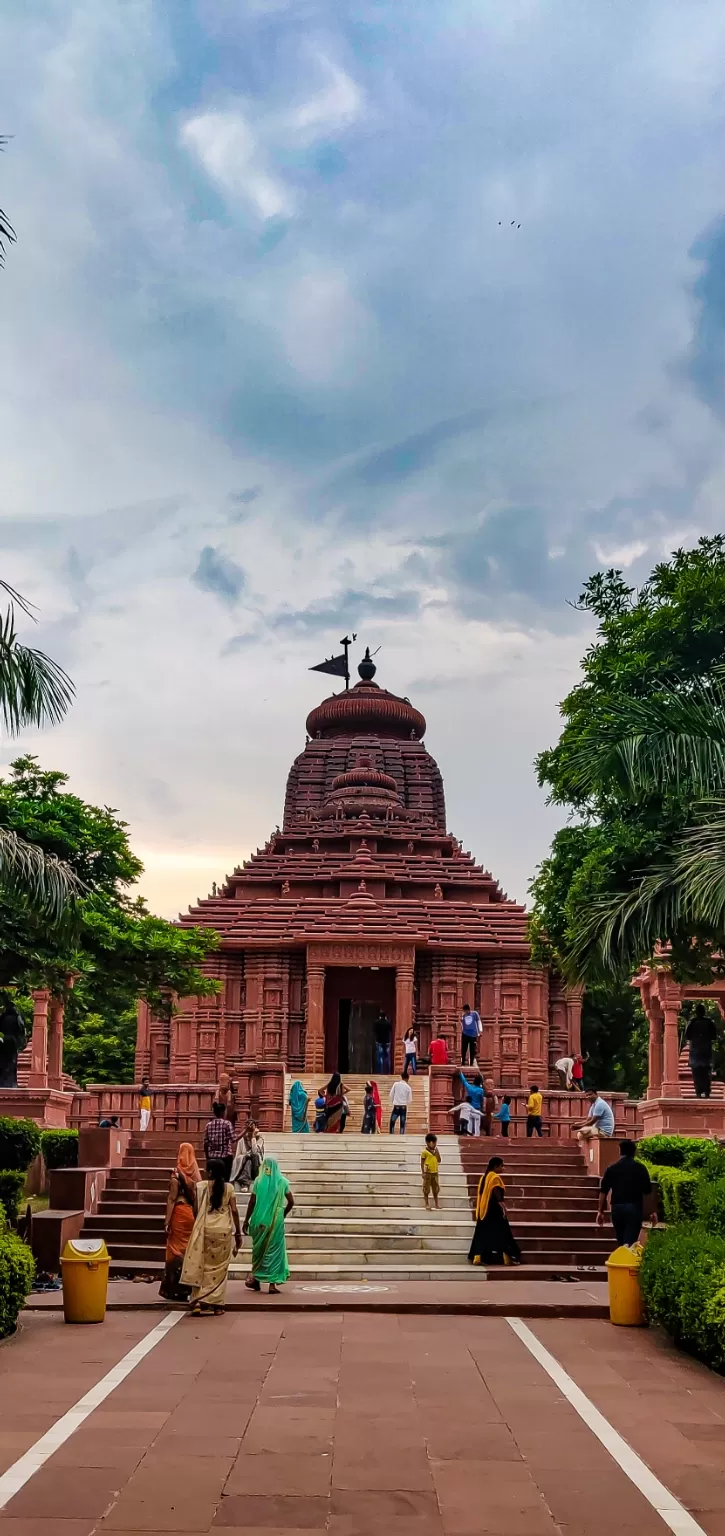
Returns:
point(687, 1087)
point(359, 1213)
point(417, 1120)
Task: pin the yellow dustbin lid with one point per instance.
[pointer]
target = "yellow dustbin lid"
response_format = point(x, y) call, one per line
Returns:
point(84, 1250)
point(625, 1258)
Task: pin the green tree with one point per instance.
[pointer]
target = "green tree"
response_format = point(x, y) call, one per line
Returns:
point(116, 949)
point(636, 757)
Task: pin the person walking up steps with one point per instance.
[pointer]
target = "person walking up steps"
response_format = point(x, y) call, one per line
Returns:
point(270, 1202)
point(470, 1030)
point(219, 1139)
point(534, 1106)
point(493, 1241)
point(215, 1237)
point(401, 1095)
point(144, 1105)
point(429, 1164)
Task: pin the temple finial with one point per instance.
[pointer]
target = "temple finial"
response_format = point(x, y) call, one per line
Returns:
point(367, 667)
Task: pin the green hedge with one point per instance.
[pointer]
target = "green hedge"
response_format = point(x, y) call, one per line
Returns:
point(683, 1283)
point(59, 1148)
point(690, 1152)
point(17, 1272)
point(678, 1191)
point(711, 1205)
point(19, 1142)
point(12, 1183)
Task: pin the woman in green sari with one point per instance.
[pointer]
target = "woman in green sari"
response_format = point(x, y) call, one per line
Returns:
point(271, 1201)
point(298, 1101)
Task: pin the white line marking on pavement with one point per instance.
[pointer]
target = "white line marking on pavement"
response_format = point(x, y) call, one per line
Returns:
point(667, 1506)
point(23, 1469)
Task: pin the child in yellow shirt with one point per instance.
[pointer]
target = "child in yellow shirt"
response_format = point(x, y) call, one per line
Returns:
point(429, 1162)
point(534, 1106)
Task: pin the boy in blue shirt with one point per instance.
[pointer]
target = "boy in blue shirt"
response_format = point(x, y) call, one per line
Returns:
point(503, 1115)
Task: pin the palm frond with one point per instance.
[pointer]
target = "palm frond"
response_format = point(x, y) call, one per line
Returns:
point(34, 689)
point(7, 233)
point(673, 741)
point(622, 930)
point(46, 882)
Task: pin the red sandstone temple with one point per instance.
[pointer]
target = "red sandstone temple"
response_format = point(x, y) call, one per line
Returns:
point(363, 903)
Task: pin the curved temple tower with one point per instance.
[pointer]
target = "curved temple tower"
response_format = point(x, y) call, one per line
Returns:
point(363, 905)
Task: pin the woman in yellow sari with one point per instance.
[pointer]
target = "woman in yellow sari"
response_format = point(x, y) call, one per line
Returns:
point(215, 1238)
point(179, 1221)
point(493, 1241)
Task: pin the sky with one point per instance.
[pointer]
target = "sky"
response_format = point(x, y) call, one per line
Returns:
point(325, 316)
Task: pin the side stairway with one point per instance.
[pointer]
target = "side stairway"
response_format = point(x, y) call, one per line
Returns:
point(359, 1213)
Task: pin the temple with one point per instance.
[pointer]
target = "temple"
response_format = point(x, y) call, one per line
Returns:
point(364, 907)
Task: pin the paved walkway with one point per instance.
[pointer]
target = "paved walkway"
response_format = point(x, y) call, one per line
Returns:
point(354, 1424)
point(494, 1296)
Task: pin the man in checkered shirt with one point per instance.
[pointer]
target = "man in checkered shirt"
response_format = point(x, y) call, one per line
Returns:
point(219, 1140)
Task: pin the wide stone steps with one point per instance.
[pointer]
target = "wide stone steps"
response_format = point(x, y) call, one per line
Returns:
point(359, 1215)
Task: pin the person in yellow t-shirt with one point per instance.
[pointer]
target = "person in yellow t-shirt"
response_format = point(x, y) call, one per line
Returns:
point(429, 1163)
point(144, 1105)
point(534, 1106)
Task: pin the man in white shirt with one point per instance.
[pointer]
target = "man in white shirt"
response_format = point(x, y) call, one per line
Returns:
point(599, 1121)
point(563, 1066)
point(401, 1095)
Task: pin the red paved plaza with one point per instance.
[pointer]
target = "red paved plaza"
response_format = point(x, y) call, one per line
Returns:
point(354, 1424)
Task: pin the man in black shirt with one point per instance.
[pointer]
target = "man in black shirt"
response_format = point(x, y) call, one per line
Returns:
point(628, 1182)
point(700, 1036)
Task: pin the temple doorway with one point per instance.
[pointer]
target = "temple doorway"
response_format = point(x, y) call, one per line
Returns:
point(355, 999)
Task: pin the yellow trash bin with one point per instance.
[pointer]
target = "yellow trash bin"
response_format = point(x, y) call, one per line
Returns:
point(84, 1267)
point(625, 1297)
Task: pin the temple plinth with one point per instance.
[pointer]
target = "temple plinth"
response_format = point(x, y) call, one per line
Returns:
point(363, 908)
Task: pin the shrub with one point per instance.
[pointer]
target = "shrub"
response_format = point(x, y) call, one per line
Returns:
point(12, 1182)
point(19, 1142)
point(59, 1148)
point(17, 1272)
point(678, 1189)
point(683, 1283)
point(683, 1152)
point(711, 1205)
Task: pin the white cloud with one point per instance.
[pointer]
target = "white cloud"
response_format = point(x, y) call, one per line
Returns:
point(621, 554)
point(231, 155)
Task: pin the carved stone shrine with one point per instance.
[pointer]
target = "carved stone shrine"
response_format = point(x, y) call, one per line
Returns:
point(362, 909)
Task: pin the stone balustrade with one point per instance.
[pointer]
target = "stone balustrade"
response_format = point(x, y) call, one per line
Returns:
point(561, 1109)
point(185, 1106)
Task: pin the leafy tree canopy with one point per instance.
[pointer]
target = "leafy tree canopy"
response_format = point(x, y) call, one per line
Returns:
point(657, 640)
point(116, 948)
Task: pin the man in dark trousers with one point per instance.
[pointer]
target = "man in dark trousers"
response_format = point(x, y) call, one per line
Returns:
point(700, 1036)
point(627, 1181)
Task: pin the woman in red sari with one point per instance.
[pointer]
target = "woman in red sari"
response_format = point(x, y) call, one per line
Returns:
point(334, 1107)
point(378, 1105)
point(179, 1222)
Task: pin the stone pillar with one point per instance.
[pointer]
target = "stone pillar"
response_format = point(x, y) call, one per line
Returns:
point(655, 1055)
point(315, 1035)
point(404, 972)
point(574, 1001)
point(38, 1074)
point(143, 1014)
point(671, 1061)
point(55, 1044)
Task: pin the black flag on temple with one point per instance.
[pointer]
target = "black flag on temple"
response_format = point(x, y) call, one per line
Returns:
point(336, 665)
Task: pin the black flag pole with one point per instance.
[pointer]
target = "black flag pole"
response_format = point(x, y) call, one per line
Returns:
point(337, 666)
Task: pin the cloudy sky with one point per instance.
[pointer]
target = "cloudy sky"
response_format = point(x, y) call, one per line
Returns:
point(381, 315)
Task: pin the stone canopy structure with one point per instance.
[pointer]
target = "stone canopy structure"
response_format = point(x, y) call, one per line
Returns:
point(363, 906)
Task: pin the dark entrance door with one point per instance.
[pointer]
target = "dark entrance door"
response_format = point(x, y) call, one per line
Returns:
point(355, 996)
point(356, 1038)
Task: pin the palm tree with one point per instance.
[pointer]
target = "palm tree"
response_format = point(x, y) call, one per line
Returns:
point(673, 746)
point(34, 690)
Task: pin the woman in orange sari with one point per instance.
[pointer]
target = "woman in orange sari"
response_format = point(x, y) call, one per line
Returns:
point(179, 1222)
point(493, 1241)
